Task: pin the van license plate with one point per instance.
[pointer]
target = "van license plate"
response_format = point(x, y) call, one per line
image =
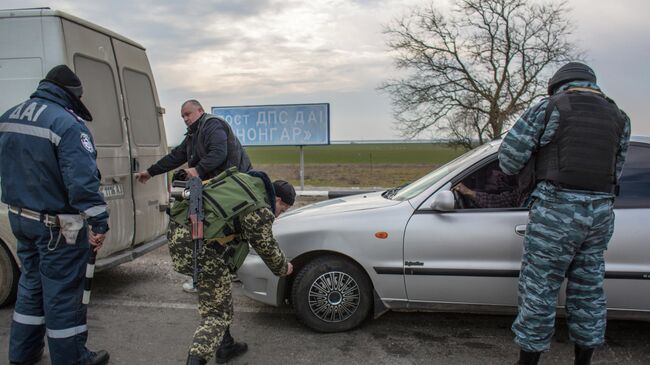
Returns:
point(113, 191)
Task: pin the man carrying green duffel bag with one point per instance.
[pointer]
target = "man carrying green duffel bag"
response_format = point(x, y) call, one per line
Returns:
point(239, 210)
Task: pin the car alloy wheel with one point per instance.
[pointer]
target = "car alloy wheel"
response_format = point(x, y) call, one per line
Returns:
point(331, 294)
point(334, 296)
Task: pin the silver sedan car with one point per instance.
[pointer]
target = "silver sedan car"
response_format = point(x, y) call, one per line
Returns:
point(424, 246)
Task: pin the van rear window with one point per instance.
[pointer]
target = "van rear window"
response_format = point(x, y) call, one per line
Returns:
point(142, 108)
point(100, 97)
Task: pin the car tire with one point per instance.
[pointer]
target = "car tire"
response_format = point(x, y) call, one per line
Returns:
point(9, 275)
point(331, 294)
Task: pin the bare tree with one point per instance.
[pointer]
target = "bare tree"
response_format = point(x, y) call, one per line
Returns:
point(471, 73)
point(465, 127)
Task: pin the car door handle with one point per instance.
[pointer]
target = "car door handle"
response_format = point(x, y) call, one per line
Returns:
point(135, 165)
point(520, 229)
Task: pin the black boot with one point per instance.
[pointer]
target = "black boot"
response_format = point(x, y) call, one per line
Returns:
point(195, 360)
point(32, 360)
point(98, 358)
point(229, 349)
point(528, 358)
point(583, 355)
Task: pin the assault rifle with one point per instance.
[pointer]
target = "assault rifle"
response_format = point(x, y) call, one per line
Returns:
point(195, 187)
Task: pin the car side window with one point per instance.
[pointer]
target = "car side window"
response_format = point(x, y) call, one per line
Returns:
point(635, 180)
point(487, 188)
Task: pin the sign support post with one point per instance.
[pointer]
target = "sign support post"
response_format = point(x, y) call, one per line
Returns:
point(302, 167)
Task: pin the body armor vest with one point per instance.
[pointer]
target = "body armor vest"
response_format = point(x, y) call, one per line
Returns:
point(582, 154)
point(226, 198)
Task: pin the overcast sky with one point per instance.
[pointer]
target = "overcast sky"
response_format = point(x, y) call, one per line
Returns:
point(255, 52)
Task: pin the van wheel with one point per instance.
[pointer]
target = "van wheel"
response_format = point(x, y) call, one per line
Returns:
point(331, 294)
point(9, 275)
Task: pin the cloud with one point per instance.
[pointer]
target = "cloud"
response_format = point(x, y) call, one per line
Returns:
point(229, 52)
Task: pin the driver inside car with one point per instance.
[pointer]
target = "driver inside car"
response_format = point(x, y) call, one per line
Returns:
point(500, 191)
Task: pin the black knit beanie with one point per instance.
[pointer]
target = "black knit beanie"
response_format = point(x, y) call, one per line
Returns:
point(63, 76)
point(284, 191)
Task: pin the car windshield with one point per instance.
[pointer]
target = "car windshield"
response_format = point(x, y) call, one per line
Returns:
point(411, 190)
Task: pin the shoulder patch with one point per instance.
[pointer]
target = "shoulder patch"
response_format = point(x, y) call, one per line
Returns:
point(87, 143)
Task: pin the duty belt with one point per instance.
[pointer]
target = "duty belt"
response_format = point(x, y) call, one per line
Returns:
point(49, 220)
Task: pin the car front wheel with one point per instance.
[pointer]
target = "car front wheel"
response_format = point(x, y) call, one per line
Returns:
point(9, 275)
point(331, 294)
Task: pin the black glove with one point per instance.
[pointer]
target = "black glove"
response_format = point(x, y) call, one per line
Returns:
point(179, 175)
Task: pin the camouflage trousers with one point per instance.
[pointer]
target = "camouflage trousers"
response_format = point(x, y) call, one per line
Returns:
point(564, 240)
point(214, 289)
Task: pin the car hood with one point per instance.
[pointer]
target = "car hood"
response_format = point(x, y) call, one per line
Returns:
point(340, 205)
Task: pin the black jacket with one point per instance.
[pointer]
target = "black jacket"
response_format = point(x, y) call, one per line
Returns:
point(210, 146)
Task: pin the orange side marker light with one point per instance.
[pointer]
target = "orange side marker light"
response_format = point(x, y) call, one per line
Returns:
point(381, 235)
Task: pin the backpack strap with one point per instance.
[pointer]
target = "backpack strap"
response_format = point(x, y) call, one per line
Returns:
point(268, 186)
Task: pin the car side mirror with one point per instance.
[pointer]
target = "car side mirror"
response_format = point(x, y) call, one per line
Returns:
point(443, 201)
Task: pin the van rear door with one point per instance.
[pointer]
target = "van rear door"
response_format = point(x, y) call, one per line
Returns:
point(92, 55)
point(147, 139)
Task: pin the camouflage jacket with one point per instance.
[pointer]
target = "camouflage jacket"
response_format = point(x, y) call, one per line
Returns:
point(256, 230)
point(529, 134)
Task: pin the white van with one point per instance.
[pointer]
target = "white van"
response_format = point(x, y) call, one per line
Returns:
point(120, 92)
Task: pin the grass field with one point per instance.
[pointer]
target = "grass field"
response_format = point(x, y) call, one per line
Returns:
point(397, 153)
point(353, 165)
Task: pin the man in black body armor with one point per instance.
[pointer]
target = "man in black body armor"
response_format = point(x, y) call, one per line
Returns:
point(577, 139)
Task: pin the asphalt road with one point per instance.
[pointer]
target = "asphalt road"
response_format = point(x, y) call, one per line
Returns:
point(139, 313)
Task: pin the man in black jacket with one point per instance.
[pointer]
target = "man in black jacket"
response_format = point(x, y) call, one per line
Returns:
point(209, 147)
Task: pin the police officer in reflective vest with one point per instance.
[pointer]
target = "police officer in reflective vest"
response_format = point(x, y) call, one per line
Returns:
point(577, 139)
point(51, 184)
point(239, 211)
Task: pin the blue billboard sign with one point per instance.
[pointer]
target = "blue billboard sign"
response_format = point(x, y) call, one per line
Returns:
point(278, 125)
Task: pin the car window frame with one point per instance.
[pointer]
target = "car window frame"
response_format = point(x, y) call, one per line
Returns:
point(632, 144)
point(425, 196)
point(423, 206)
point(450, 182)
point(446, 169)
